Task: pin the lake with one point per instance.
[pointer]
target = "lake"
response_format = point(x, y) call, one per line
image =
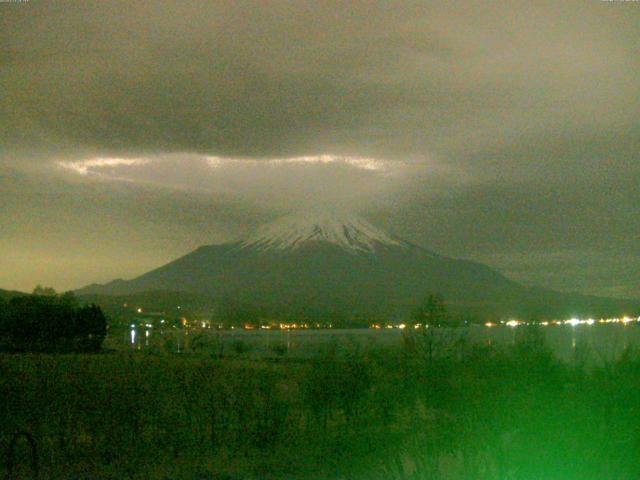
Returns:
point(597, 342)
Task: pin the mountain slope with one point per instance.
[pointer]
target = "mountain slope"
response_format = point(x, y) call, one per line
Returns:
point(334, 265)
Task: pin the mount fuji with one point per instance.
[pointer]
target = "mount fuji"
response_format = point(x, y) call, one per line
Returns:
point(350, 233)
point(334, 265)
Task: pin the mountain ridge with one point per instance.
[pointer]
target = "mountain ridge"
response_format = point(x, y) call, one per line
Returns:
point(331, 266)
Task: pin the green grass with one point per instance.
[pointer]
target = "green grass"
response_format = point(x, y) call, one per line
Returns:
point(452, 412)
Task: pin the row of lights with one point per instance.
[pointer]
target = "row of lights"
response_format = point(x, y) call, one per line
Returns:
point(572, 321)
point(402, 326)
point(510, 323)
point(516, 323)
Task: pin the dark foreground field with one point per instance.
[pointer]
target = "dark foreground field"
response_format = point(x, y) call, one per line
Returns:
point(426, 410)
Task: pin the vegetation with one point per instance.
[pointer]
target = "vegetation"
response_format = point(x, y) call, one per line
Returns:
point(461, 412)
point(48, 322)
point(432, 312)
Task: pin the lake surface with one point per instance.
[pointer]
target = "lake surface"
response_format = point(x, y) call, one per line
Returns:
point(594, 343)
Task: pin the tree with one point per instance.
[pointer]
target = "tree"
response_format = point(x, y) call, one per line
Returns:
point(3, 317)
point(91, 327)
point(44, 291)
point(69, 299)
point(430, 315)
point(51, 323)
point(432, 312)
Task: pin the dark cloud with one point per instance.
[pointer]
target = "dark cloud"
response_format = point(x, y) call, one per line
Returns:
point(279, 78)
point(509, 131)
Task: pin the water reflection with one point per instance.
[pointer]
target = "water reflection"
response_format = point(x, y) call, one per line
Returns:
point(135, 336)
point(568, 341)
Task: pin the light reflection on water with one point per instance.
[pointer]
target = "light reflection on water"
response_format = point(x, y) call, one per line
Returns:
point(599, 342)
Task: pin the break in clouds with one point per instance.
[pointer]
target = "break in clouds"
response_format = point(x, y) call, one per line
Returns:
point(281, 184)
point(132, 132)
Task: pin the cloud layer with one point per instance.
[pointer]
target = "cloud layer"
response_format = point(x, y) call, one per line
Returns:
point(283, 184)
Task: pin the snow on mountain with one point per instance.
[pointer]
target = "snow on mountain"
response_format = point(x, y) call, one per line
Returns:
point(286, 268)
point(344, 230)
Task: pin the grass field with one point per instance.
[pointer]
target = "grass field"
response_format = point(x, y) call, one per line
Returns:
point(420, 411)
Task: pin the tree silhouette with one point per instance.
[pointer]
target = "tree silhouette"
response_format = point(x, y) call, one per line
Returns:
point(430, 315)
point(91, 327)
point(432, 312)
point(51, 323)
point(44, 291)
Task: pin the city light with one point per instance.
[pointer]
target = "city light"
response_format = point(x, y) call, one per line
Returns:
point(573, 322)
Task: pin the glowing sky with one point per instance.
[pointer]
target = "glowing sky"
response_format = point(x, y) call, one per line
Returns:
point(506, 132)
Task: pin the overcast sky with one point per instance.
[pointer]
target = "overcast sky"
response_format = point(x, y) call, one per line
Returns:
point(507, 132)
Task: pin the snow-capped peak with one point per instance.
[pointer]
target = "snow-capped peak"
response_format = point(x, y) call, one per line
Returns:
point(347, 231)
